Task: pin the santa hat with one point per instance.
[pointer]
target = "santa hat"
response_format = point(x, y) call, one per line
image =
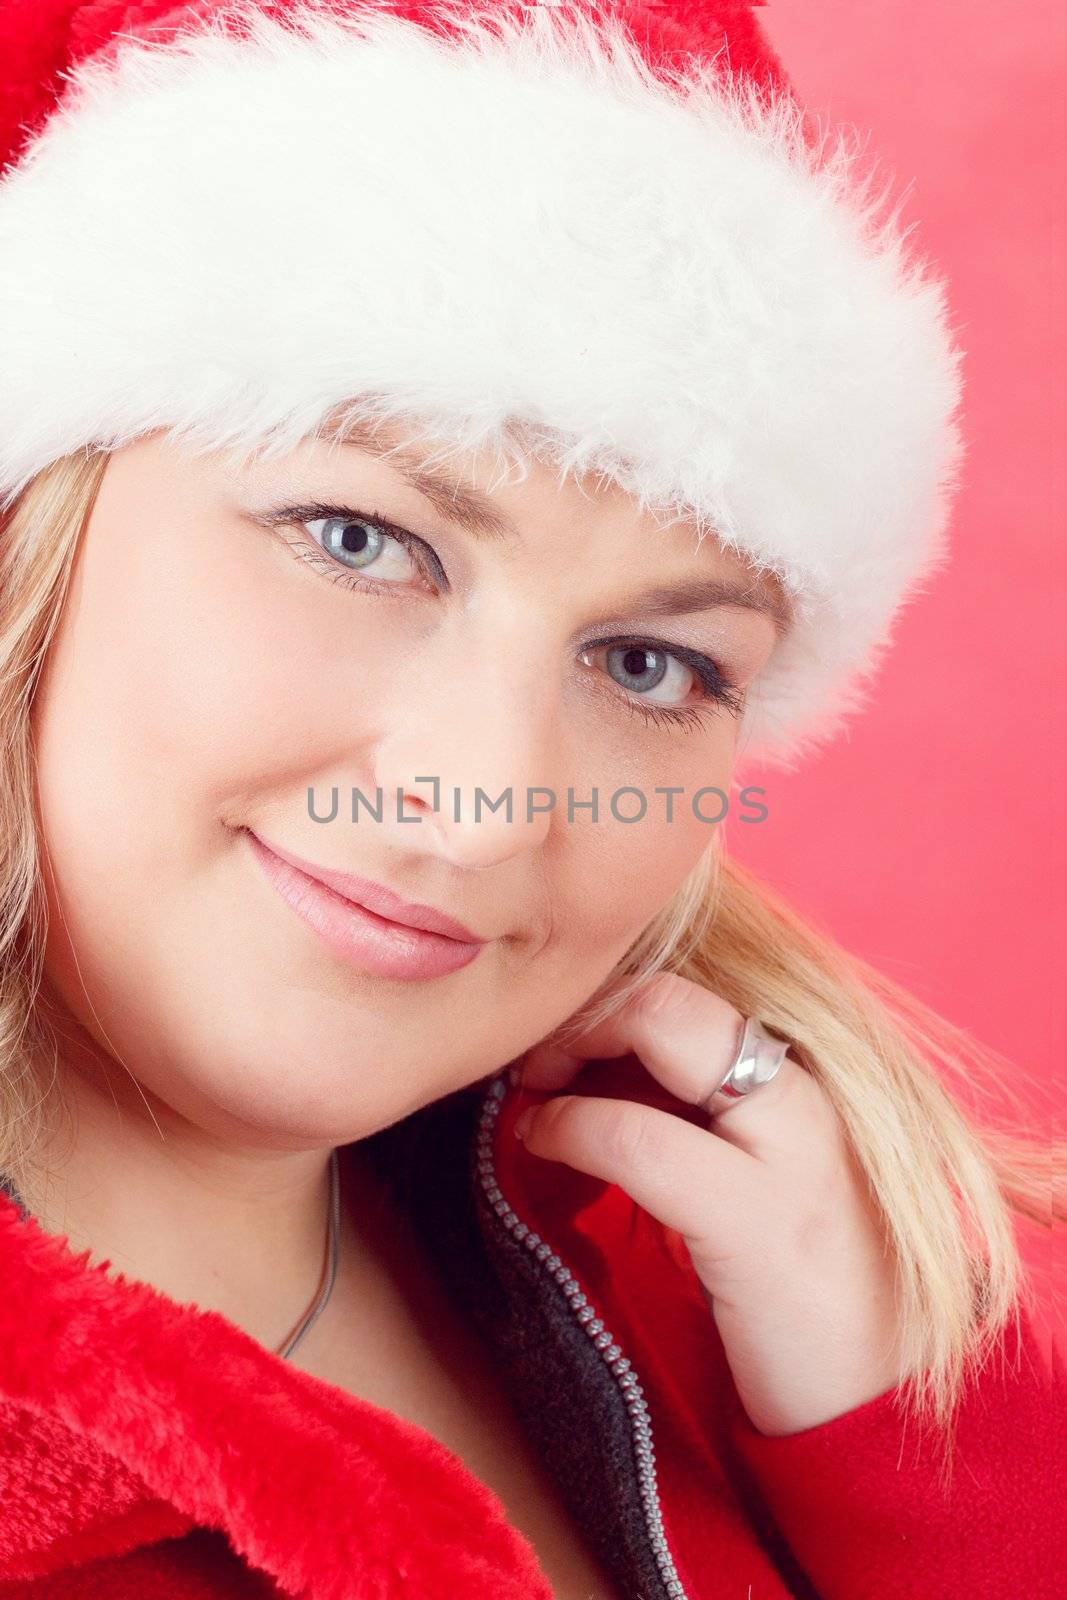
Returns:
point(610, 222)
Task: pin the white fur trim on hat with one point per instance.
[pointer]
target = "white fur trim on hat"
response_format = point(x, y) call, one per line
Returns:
point(229, 237)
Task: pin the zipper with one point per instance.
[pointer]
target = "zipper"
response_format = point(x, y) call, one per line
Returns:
point(585, 1313)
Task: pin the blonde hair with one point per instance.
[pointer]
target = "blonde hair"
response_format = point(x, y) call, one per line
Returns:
point(946, 1187)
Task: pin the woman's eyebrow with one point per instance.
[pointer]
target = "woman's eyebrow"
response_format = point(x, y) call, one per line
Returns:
point(705, 594)
point(459, 502)
point(474, 511)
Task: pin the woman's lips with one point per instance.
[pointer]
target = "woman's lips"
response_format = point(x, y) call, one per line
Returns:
point(375, 897)
point(362, 937)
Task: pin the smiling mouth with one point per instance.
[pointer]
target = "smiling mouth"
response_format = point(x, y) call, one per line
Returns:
point(362, 937)
point(385, 903)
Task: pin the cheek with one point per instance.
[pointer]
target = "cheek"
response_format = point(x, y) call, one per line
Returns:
point(174, 682)
point(136, 700)
point(192, 670)
point(619, 877)
point(609, 879)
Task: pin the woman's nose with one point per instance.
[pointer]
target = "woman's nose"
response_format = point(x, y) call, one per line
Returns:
point(474, 758)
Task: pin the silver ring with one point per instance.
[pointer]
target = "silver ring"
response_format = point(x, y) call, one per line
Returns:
point(759, 1058)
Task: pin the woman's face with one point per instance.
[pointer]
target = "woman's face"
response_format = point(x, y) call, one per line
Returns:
point(217, 664)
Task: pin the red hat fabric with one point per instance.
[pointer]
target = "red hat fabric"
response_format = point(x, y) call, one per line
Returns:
point(42, 39)
point(609, 222)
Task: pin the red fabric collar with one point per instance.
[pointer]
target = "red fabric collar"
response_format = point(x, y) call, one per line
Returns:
point(128, 1417)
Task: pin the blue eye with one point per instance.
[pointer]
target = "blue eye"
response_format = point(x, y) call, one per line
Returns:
point(658, 680)
point(644, 670)
point(346, 543)
point(361, 543)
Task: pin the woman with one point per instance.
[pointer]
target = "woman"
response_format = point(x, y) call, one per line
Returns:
point(431, 1168)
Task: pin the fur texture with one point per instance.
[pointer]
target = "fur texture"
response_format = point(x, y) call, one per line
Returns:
point(641, 261)
point(132, 1426)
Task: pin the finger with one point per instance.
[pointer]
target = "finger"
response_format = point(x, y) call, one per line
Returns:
point(704, 1188)
point(687, 1037)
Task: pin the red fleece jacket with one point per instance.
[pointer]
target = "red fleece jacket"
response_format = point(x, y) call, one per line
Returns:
point(153, 1449)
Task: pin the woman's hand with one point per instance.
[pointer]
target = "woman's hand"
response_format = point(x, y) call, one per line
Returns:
point(768, 1196)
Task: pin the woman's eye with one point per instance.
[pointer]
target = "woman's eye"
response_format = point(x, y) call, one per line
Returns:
point(653, 674)
point(660, 682)
point(357, 550)
point(361, 545)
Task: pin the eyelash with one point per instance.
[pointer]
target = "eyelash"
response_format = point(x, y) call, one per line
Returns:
point(719, 691)
point(312, 553)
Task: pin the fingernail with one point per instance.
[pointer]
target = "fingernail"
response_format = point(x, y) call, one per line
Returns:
point(522, 1123)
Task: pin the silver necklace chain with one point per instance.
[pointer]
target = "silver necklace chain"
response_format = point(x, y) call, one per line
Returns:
point(333, 1234)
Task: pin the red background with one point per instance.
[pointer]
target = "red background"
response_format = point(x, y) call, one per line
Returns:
point(930, 839)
